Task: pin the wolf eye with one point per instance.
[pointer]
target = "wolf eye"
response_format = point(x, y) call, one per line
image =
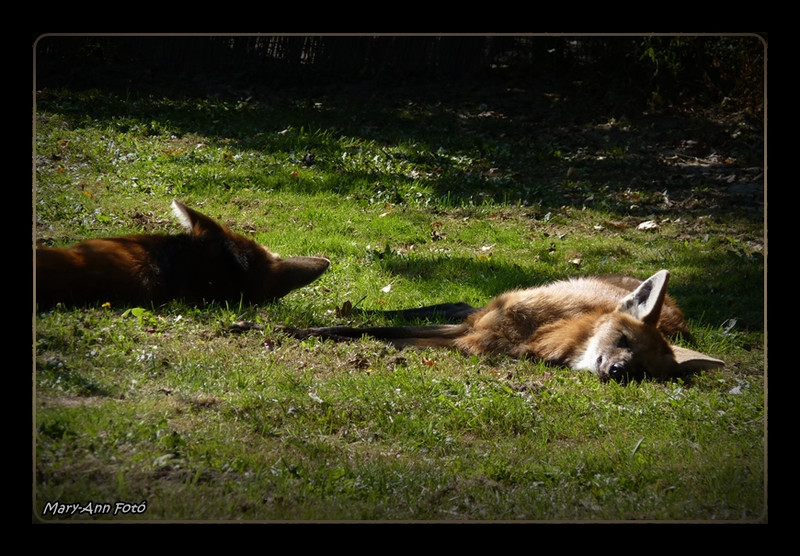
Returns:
point(623, 341)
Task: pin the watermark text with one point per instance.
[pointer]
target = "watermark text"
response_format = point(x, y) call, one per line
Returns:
point(94, 508)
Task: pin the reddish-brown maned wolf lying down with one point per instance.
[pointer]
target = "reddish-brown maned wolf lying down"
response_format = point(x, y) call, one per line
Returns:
point(614, 326)
point(207, 263)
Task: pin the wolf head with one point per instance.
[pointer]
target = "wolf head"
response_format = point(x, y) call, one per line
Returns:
point(626, 344)
point(240, 265)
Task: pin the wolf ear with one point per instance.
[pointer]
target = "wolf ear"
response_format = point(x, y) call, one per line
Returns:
point(690, 360)
point(645, 302)
point(192, 221)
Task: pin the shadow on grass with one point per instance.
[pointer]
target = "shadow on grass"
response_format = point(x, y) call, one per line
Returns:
point(521, 147)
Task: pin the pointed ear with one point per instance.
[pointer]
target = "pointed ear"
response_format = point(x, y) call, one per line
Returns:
point(645, 302)
point(690, 360)
point(194, 222)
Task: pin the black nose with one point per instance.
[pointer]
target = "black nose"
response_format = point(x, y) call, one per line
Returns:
point(617, 371)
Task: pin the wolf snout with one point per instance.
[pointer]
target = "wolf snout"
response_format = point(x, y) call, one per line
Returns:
point(617, 372)
point(304, 270)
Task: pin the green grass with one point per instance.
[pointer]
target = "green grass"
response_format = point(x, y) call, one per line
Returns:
point(414, 203)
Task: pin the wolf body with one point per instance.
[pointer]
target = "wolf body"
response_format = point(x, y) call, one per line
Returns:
point(206, 263)
point(614, 326)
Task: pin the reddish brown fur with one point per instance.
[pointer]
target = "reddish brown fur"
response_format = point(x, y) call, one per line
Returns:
point(614, 326)
point(207, 263)
point(508, 323)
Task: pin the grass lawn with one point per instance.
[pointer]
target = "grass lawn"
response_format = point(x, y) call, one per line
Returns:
point(161, 413)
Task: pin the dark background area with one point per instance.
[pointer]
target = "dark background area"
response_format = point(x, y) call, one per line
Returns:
point(625, 74)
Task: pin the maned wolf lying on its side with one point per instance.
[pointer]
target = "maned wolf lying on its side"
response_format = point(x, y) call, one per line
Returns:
point(207, 263)
point(614, 326)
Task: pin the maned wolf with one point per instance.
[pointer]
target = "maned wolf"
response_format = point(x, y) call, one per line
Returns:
point(206, 263)
point(614, 326)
